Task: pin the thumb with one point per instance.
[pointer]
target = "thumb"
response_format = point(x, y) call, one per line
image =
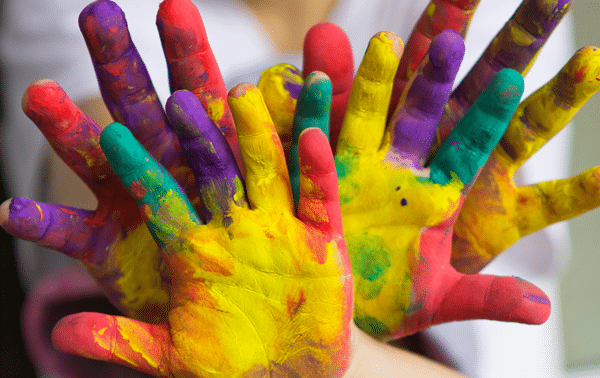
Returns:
point(114, 339)
point(482, 296)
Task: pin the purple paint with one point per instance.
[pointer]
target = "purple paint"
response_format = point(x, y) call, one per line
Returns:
point(415, 124)
point(292, 88)
point(537, 299)
point(206, 150)
point(62, 228)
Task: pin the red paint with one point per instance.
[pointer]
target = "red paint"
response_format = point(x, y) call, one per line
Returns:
point(137, 190)
point(294, 304)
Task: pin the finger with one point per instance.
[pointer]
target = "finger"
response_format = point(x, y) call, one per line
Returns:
point(468, 147)
point(71, 133)
point(508, 299)
point(439, 15)
point(62, 228)
point(218, 178)
point(368, 103)
point(516, 46)
point(115, 339)
point(124, 81)
point(267, 179)
point(192, 64)
point(319, 204)
point(549, 202)
point(414, 123)
point(312, 110)
point(161, 201)
point(550, 108)
point(327, 49)
point(280, 86)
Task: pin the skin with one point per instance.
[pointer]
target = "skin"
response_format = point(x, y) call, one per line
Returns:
point(113, 241)
point(269, 294)
point(399, 216)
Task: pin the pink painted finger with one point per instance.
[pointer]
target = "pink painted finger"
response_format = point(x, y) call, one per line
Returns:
point(516, 46)
point(110, 338)
point(62, 228)
point(495, 298)
point(71, 133)
point(76, 139)
point(327, 49)
point(439, 15)
point(319, 203)
point(192, 64)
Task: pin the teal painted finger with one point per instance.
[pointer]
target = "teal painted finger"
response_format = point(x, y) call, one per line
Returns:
point(477, 134)
point(166, 209)
point(312, 110)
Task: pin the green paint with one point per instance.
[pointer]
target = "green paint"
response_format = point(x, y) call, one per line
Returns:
point(468, 146)
point(169, 207)
point(370, 261)
point(372, 326)
point(312, 110)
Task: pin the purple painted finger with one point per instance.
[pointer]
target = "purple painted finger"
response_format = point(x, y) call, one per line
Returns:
point(218, 178)
point(65, 229)
point(516, 46)
point(421, 105)
point(124, 81)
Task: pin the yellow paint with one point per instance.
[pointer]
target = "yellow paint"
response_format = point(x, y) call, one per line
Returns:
point(138, 340)
point(431, 9)
point(267, 179)
point(370, 94)
point(496, 213)
point(246, 323)
point(138, 258)
point(216, 108)
point(519, 35)
point(372, 209)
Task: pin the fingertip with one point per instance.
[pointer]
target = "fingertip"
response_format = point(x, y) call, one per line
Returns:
point(391, 40)
point(507, 87)
point(185, 112)
point(123, 152)
point(5, 211)
point(327, 48)
point(315, 96)
point(446, 51)
point(240, 90)
point(518, 301)
point(104, 28)
point(314, 152)
point(172, 18)
point(83, 333)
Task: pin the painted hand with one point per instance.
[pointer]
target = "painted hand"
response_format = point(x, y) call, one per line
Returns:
point(496, 213)
point(255, 292)
point(399, 216)
point(516, 46)
point(113, 242)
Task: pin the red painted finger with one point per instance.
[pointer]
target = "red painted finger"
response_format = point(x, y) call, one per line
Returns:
point(319, 203)
point(192, 64)
point(439, 15)
point(327, 49)
point(495, 298)
point(115, 339)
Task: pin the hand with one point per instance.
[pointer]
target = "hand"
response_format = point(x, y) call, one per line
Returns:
point(255, 292)
point(113, 242)
point(398, 216)
point(516, 46)
point(497, 213)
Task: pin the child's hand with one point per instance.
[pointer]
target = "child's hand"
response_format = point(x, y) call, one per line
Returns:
point(255, 292)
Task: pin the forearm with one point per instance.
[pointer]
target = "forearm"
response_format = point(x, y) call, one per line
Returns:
point(374, 358)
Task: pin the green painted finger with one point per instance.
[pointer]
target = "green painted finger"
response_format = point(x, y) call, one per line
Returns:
point(312, 110)
point(477, 134)
point(167, 210)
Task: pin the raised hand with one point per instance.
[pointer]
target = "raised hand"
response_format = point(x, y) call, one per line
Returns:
point(398, 215)
point(496, 213)
point(113, 242)
point(255, 292)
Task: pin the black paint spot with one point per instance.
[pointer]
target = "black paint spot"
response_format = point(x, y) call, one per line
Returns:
point(397, 188)
point(403, 202)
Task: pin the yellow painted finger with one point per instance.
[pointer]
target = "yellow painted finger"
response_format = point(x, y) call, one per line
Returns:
point(366, 114)
point(267, 180)
point(549, 202)
point(549, 109)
